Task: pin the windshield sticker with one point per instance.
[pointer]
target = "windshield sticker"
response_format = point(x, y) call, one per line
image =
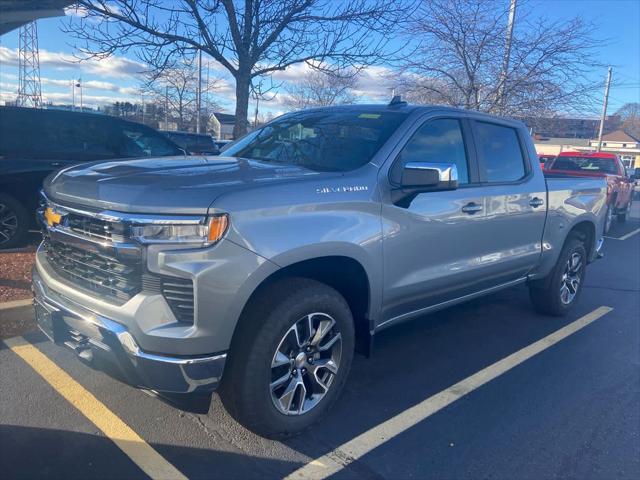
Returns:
point(369, 115)
point(348, 188)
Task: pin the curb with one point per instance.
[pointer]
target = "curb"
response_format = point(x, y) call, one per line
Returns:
point(18, 309)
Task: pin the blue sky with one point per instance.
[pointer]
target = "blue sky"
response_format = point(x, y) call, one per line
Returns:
point(616, 24)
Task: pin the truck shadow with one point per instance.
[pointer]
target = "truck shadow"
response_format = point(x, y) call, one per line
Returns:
point(30, 452)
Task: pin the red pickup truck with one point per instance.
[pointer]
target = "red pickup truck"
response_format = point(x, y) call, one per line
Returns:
point(599, 164)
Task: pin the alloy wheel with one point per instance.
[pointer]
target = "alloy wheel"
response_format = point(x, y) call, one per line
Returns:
point(305, 364)
point(8, 224)
point(571, 278)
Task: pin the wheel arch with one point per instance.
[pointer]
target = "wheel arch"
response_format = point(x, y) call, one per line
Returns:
point(343, 273)
point(586, 232)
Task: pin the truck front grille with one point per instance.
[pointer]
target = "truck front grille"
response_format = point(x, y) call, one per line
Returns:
point(95, 272)
point(95, 228)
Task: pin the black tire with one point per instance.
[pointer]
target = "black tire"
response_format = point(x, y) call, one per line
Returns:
point(14, 222)
point(622, 216)
point(546, 294)
point(246, 390)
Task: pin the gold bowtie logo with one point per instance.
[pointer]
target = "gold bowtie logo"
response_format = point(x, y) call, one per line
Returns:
point(52, 217)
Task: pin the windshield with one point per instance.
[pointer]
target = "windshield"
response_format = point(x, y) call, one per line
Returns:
point(586, 164)
point(323, 140)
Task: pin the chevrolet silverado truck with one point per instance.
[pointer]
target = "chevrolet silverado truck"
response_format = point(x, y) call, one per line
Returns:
point(600, 165)
point(262, 271)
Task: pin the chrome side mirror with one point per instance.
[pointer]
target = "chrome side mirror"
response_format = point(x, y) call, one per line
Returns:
point(424, 176)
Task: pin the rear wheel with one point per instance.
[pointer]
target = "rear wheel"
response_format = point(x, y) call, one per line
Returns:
point(556, 294)
point(14, 222)
point(622, 216)
point(291, 358)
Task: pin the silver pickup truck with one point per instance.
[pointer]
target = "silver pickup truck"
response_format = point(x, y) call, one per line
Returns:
point(262, 271)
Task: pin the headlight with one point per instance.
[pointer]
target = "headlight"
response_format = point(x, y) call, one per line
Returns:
point(205, 234)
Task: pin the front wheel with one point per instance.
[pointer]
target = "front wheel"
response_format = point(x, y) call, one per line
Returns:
point(558, 293)
point(291, 358)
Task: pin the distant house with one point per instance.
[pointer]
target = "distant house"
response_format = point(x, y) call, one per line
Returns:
point(222, 125)
point(623, 144)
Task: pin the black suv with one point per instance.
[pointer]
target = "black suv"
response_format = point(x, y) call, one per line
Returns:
point(193, 143)
point(36, 142)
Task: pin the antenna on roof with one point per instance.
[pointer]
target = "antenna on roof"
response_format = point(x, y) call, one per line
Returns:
point(397, 100)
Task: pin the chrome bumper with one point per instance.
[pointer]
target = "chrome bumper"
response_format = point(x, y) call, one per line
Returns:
point(109, 346)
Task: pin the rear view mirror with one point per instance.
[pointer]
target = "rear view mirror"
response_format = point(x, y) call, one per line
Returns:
point(423, 176)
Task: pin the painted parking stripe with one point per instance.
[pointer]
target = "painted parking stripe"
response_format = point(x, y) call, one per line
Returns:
point(364, 443)
point(630, 234)
point(624, 237)
point(142, 454)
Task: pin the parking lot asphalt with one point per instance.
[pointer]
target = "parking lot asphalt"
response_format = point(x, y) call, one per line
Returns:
point(571, 410)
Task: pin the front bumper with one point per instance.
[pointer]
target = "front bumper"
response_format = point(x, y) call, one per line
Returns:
point(109, 346)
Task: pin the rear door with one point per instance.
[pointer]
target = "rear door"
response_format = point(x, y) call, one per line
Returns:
point(515, 197)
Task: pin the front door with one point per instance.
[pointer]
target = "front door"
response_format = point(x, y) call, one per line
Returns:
point(438, 246)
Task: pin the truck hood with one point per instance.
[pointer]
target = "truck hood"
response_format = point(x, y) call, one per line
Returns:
point(170, 185)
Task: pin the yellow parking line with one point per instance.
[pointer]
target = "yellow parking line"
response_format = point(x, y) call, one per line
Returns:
point(142, 454)
point(348, 452)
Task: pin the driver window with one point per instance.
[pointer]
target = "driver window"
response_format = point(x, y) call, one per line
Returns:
point(437, 141)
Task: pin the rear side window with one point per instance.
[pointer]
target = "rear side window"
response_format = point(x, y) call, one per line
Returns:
point(437, 141)
point(499, 149)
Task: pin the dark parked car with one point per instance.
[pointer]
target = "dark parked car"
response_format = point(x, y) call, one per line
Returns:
point(221, 144)
point(36, 142)
point(194, 143)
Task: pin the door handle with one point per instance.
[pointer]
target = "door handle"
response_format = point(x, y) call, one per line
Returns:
point(56, 164)
point(472, 208)
point(535, 202)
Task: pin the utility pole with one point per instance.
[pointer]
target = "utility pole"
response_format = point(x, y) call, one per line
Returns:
point(199, 91)
point(79, 85)
point(507, 55)
point(255, 119)
point(166, 107)
point(604, 109)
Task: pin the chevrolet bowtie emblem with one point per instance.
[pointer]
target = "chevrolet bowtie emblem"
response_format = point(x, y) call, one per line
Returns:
point(52, 217)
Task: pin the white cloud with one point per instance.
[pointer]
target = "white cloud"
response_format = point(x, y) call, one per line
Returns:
point(110, 67)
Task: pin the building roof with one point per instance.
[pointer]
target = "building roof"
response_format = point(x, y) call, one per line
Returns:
point(225, 117)
point(620, 136)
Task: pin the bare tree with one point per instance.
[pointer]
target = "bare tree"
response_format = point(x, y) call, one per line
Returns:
point(629, 113)
point(175, 88)
point(460, 57)
point(250, 39)
point(320, 89)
